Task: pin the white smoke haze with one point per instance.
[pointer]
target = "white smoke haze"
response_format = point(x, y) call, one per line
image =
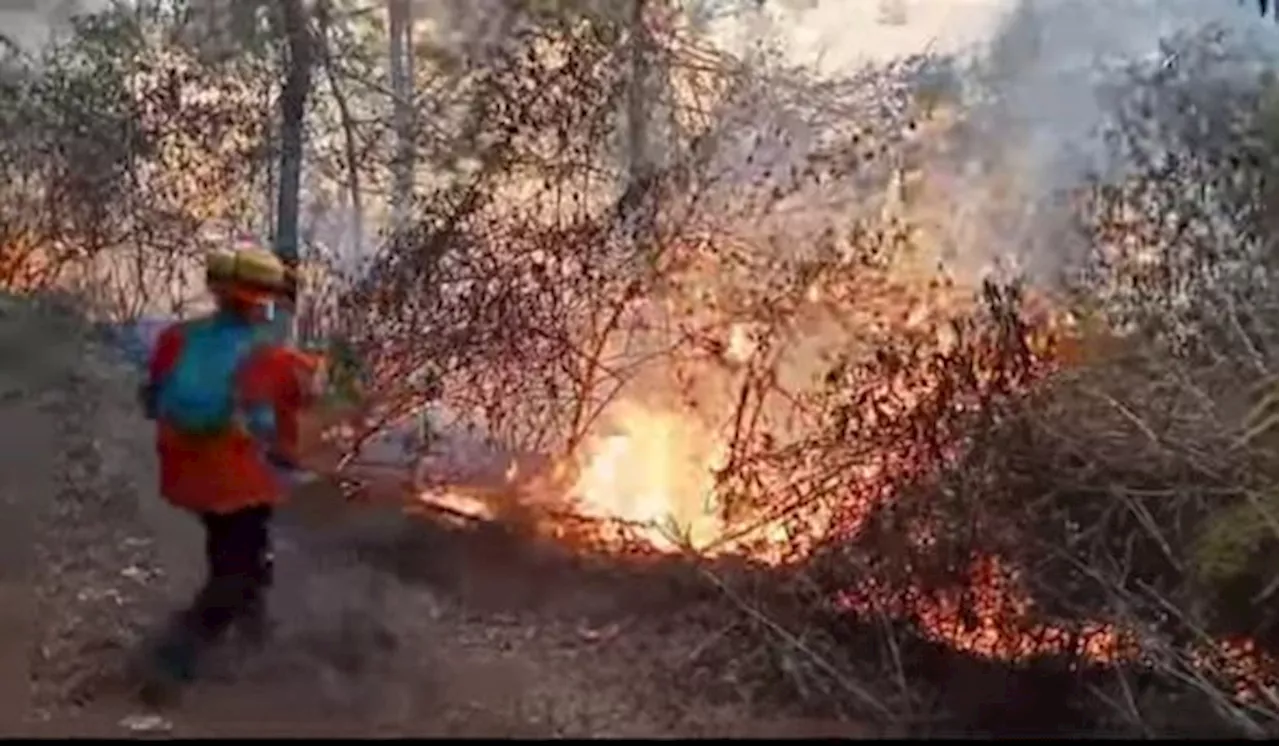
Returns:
point(1028, 78)
point(1029, 82)
point(1046, 76)
point(1040, 65)
point(30, 24)
point(1027, 102)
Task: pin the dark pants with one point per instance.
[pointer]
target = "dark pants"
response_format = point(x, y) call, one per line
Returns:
point(238, 552)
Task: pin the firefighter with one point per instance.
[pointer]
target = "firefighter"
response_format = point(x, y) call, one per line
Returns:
point(225, 398)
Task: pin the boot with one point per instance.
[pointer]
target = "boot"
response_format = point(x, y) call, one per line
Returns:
point(170, 664)
point(255, 627)
point(175, 659)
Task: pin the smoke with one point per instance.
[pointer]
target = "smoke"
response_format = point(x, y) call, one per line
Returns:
point(1036, 111)
point(831, 37)
point(1028, 80)
point(30, 24)
point(978, 151)
point(1024, 109)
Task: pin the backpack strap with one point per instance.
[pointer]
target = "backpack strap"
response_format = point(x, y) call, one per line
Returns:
point(257, 419)
point(149, 390)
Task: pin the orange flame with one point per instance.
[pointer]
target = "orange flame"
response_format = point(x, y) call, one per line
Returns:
point(654, 470)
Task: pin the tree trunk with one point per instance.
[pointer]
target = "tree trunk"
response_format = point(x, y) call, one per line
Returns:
point(399, 28)
point(354, 193)
point(293, 109)
point(637, 205)
point(637, 117)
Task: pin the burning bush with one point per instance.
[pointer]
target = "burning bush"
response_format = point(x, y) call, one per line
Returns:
point(1085, 511)
point(1013, 508)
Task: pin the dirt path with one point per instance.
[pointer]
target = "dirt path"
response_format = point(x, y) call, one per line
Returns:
point(388, 626)
point(28, 445)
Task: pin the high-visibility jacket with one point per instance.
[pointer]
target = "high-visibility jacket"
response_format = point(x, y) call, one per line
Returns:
point(228, 471)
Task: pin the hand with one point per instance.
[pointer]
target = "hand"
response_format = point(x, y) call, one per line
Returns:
point(377, 484)
point(281, 461)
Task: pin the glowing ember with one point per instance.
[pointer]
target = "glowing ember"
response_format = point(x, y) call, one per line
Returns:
point(459, 503)
point(990, 617)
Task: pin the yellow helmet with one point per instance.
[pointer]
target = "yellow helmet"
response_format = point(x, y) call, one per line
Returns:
point(248, 271)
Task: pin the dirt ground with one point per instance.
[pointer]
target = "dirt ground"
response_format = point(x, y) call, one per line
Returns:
point(388, 626)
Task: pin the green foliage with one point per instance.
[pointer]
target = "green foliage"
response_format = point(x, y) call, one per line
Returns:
point(346, 377)
point(1232, 536)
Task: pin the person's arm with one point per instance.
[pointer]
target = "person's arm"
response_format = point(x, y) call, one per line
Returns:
point(163, 357)
point(259, 391)
point(310, 377)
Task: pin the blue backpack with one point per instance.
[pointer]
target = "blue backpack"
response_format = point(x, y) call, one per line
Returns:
point(198, 395)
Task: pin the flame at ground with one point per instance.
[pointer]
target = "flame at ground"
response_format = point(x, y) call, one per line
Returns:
point(653, 470)
point(991, 617)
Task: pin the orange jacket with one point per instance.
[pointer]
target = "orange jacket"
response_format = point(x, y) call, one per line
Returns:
point(227, 472)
